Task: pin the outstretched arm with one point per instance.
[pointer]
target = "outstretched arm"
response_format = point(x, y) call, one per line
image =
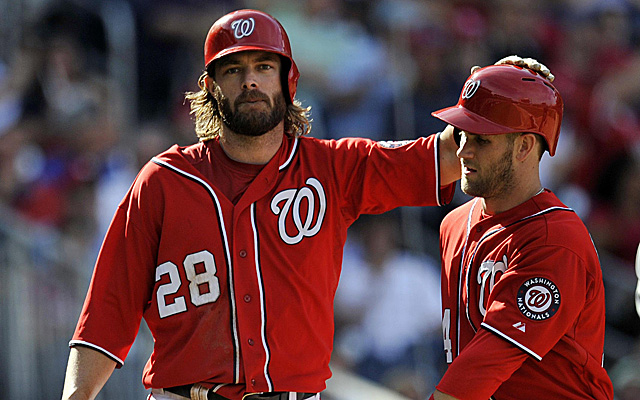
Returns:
point(87, 372)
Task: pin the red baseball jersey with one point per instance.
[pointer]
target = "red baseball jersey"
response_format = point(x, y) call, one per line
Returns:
point(523, 304)
point(242, 294)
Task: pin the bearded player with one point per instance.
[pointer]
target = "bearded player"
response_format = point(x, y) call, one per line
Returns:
point(522, 290)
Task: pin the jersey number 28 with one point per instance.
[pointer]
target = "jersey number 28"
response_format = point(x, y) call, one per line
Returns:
point(196, 281)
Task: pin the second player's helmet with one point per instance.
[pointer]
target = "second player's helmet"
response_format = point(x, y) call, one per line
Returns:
point(502, 99)
point(245, 30)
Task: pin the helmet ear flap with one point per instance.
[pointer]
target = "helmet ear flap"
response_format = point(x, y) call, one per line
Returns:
point(456, 135)
point(285, 71)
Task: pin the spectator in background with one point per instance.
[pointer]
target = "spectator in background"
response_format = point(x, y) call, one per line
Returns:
point(343, 64)
point(387, 309)
point(615, 219)
point(626, 377)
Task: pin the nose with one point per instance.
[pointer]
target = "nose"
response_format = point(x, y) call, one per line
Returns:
point(249, 81)
point(465, 150)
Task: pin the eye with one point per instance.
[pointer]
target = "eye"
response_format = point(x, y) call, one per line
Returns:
point(230, 70)
point(265, 67)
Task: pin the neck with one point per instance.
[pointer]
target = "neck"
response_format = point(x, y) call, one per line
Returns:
point(252, 149)
point(512, 198)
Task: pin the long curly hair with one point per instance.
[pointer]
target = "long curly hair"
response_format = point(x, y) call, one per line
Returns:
point(208, 121)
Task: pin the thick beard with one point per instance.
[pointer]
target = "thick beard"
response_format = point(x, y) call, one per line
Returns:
point(499, 182)
point(252, 123)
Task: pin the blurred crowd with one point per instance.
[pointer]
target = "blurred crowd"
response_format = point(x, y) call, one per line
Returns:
point(90, 90)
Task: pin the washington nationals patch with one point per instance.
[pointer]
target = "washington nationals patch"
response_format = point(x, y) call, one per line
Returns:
point(391, 144)
point(538, 298)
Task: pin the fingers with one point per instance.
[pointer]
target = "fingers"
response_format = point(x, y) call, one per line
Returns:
point(514, 60)
point(529, 63)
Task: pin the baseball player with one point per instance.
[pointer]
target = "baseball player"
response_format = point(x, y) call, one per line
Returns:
point(522, 291)
point(231, 248)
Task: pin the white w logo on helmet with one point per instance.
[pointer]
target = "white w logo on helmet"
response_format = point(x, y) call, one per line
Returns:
point(243, 27)
point(470, 88)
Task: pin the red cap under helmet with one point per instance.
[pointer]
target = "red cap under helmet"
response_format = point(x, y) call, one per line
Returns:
point(502, 99)
point(245, 30)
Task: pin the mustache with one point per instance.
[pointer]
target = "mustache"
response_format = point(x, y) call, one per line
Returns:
point(252, 95)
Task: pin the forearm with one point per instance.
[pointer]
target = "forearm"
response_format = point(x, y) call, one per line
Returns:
point(87, 372)
point(450, 169)
point(482, 366)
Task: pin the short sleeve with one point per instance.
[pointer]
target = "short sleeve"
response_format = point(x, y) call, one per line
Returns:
point(538, 299)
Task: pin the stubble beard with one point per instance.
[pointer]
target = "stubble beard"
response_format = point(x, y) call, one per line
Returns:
point(252, 122)
point(499, 182)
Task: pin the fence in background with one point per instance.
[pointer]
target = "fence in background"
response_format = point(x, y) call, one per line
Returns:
point(43, 281)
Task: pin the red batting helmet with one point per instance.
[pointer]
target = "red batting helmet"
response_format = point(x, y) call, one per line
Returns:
point(244, 30)
point(502, 99)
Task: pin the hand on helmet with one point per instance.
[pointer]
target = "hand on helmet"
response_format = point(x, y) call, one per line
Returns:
point(528, 63)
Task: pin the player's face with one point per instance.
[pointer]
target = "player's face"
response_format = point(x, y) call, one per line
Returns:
point(487, 165)
point(251, 102)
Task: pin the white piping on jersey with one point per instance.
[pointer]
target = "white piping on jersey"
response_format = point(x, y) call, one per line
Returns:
point(263, 310)
point(95, 347)
point(464, 250)
point(293, 152)
point(509, 339)
point(234, 318)
point(436, 149)
point(460, 275)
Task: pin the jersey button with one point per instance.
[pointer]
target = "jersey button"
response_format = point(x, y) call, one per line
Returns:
point(243, 253)
point(247, 298)
point(250, 341)
point(253, 382)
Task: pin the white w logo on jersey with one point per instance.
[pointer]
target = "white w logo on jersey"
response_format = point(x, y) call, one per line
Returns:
point(293, 197)
point(488, 271)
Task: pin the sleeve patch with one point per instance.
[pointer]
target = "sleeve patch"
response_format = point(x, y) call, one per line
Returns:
point(538, 298)
point(394, 144)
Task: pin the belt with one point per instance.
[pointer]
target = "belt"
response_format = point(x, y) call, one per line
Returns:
point(185, 391)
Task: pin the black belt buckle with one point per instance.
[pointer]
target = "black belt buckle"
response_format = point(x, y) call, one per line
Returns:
point(184, 390)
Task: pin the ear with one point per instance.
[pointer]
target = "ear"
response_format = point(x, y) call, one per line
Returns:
point(525, 146)
point(206, 83)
